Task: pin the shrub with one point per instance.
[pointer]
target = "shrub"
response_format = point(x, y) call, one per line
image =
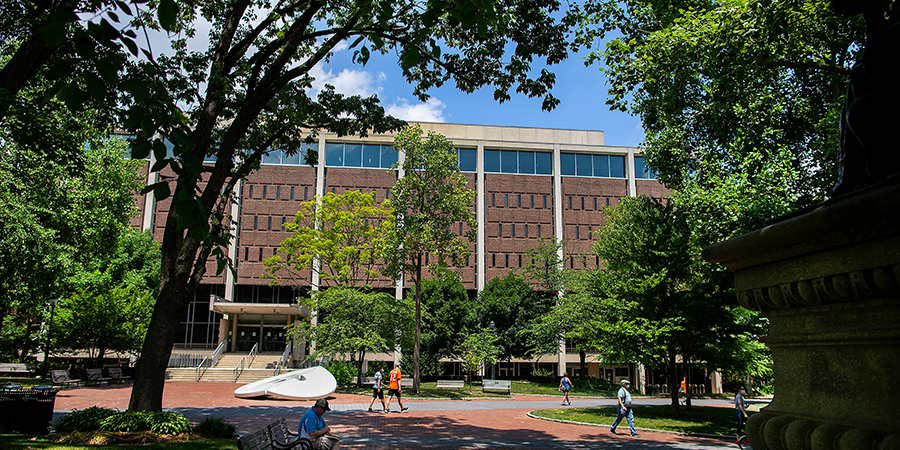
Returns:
point(343, 371)
point(83, 420)
point(169, 423)
point(215, 428)
point(127, 421)
point(541, 373)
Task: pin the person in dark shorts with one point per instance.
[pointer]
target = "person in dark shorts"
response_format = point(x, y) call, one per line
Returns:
point(378, 391)
point(394, 388)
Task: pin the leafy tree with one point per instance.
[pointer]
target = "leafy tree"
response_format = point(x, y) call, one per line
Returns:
point(248, 93)
point(337, 236)
point(731, 85)
point(479, 348)
point(512, 306)
point(55, 218)
point(101, 320)
point(447, 311)
point(353, 321)
point(429, 197)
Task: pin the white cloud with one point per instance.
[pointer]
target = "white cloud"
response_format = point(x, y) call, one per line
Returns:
point(430, 111)
point(348, 82)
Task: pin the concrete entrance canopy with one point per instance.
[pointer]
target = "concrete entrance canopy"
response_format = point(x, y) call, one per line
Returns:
point(259, 308)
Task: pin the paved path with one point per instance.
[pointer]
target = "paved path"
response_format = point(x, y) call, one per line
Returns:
point(428, 425)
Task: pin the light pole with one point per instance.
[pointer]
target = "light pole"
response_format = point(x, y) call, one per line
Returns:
point(492, 363)
point(49, 336)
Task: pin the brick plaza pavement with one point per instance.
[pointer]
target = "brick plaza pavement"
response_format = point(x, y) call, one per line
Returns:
point(433, 424)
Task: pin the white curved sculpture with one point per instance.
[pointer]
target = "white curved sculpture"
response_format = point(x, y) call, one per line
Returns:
point(314, 382)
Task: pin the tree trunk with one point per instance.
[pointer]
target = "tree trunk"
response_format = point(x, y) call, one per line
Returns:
point(150, 370)
point(359, 364)
point(673, 382)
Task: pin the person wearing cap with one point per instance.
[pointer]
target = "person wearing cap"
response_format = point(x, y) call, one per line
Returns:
point(394, 388)
point(312, 426)
point(624, 398)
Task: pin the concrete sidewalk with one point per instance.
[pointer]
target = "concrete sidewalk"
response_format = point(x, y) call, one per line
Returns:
point(429, 424)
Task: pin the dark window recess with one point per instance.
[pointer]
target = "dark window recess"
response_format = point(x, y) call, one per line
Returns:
point(246, 253)
point(292, 192)
point(265, 191)
point(269, 228)
point(595, 203)
point(251, 191)
point(260, 253)
point(493, 260)
point(513, 230)
point(520, 260)
point(506, 200)
point(460, 229)
point(582, 202)
point(492, 200)
point(539, 230)
point(570, 202)
point(532, 201)
point(577, 232)
point(278, 193)
point(507, 260)
point(255, 222)
point(500, 230)
point(306, 193)
point(607, 201)
point(545, 202)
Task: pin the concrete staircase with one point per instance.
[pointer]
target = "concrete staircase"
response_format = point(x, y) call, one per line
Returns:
point(224, 369)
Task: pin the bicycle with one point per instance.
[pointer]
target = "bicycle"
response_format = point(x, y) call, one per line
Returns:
point(742, 443)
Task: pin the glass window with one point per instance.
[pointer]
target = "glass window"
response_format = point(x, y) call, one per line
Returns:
point(641, 170)
point(294, 160)
point(509, 161)
point(468, 159)
point(388, 156)
point(272, 157)
point(543, 163)
point(567, 164)
point(617, 166)
point(583, 165)
point(371, 156)
point(334, 155)
point(526, 162)
point(352, 155)
point(492, 161)
point(601, 166)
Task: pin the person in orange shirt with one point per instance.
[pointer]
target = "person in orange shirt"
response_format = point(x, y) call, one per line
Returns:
point(683, 390)
point(394, 388)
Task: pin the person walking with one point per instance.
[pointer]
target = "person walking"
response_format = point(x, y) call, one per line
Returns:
point(740, 410)
point(394, 388)
point(378, 391)
point(564, 385)
point(624, 398)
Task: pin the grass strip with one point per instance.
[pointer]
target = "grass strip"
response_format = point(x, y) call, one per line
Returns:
point(18, 441)
point(699, 419)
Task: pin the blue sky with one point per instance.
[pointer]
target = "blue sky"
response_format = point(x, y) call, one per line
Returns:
point(582, 92)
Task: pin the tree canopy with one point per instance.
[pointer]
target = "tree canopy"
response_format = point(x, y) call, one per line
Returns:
point(429, 197)
point(730, 86)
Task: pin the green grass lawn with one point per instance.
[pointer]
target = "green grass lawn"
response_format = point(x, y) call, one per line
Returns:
point(700, 419)
point(518, 387)
point(14, 441)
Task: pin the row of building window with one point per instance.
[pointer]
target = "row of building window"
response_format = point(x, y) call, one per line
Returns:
point(507, 260)
point(586, 203)
point(266, 192)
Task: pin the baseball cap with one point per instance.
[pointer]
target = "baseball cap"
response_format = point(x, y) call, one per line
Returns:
point(323, 403)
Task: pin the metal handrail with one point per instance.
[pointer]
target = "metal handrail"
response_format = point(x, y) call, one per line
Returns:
point(238, 370)
point(283, 360)
point(218, 352)
point(253, 352)
point(201, 368)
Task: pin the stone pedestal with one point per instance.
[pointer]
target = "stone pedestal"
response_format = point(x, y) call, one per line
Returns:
point(828, 280)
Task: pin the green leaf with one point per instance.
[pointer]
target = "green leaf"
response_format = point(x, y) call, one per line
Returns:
point(96, 86)
point(167, 13)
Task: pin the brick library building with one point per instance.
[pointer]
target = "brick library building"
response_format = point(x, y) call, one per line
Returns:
point(530, 183)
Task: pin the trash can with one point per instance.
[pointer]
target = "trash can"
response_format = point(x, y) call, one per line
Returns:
point(655, 392)
point(26, 411)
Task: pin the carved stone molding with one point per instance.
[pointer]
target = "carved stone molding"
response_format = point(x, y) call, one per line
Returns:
point(861, 285)
point(778, 432)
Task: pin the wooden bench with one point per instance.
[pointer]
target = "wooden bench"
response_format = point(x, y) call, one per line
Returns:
point(496, 385)
point(367, 381)
point(406, 382)
point(95, 376)
point(115, 374)
point(62, 377)
point(16, 368)
point(450, 384)
point(276, 436)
